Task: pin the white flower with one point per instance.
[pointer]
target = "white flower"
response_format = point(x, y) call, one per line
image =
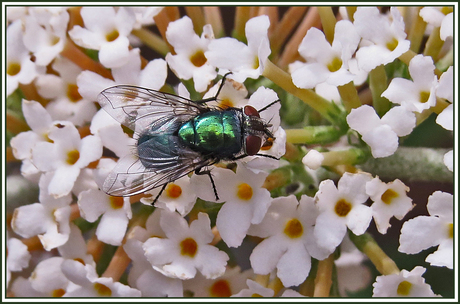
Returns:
point(341, 207)
point(289, 241)
point(387, 39)
point(48, 279)
point(90, 285)
point(313, 159)
point(177, 196)
point(189, 60)
point(255, 290)
point(404, 284)
point(242, 60)
point(447, 27)
point(48, 219)
point(423, 232)
point(246, 202)
point(66, 102)
point(381, 134)
point(144, 14)
point(17, 258)
point(153, 76)
point(45, 33)
point(143, 277)
point(19, 66)
point(419, 94)
point(185, 249)
point(115, 211)
point(232, 95)
point(75, 248)
point(230, 283)
point(105, 30)
point(40, 121)
point(325, 62)
point(65, 156)
point(390, 199)
point(352, 274)
point(446, 90)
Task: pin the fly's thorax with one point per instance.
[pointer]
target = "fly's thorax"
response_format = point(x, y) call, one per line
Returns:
point(217, 133)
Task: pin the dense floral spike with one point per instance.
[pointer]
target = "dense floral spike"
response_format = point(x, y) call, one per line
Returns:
point(379, 80)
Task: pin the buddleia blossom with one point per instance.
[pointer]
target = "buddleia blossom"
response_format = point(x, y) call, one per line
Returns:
point(437, 229)
point(245, 61)
point(189, 60)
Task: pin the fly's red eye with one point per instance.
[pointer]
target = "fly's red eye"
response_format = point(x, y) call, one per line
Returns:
point(253, 144)
point(250, 111)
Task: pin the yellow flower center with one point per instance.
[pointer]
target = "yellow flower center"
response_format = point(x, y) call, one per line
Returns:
point(102, 290)
point(220, 289)
point(13, 69)
point(73, 156)
point(451, 230)
point(342, 207)
point(226, 103)
point(255, 64)
point(54, 40)
point(391, 45)
point(198, 59)
point(293, 228)
point(404, 288)
point(57, 293)
point(424, 96)
point(388, 196)
point(188, 247)
point(244, 191)
point(173, 191)
point(268, 144)
point(116, 202)
point(112, 36)
point(256, 295)
point(72, 93)
point(335, 65)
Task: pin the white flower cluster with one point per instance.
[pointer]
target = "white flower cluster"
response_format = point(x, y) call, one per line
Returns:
point(71, 145)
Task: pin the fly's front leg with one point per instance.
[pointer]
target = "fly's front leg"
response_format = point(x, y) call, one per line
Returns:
point(199, 171)
point(218, 91)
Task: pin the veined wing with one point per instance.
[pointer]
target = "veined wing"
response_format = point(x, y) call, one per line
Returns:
point(131, 177)
point(137, 108)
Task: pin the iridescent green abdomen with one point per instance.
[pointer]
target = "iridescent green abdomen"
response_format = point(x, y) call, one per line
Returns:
point(216, 132)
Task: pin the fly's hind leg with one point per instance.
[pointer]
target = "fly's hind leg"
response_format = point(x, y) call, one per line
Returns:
point(199, 171)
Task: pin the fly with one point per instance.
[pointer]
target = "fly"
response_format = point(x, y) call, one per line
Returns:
point(176, 136)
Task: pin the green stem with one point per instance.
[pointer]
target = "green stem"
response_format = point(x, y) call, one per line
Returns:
point(350, 156)
point(411, 164)
point(434, 44)
point(313, 135)
point(365, 243)
point(417, 32)
point(349, 96)
point(152, 40)
point(351, 12)
point(378, 84)
point(328, 22)
point(323, 106)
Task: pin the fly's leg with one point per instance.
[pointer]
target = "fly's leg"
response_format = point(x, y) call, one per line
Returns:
point(199, 171)
point(158, 195)
point(218, 91)
point(268, 106)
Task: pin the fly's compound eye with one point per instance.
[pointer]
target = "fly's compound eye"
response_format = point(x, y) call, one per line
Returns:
point(250, 111)
point(253, 144)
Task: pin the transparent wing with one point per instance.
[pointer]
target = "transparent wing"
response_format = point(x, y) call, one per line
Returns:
point(130, 176)
point(137, 108)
